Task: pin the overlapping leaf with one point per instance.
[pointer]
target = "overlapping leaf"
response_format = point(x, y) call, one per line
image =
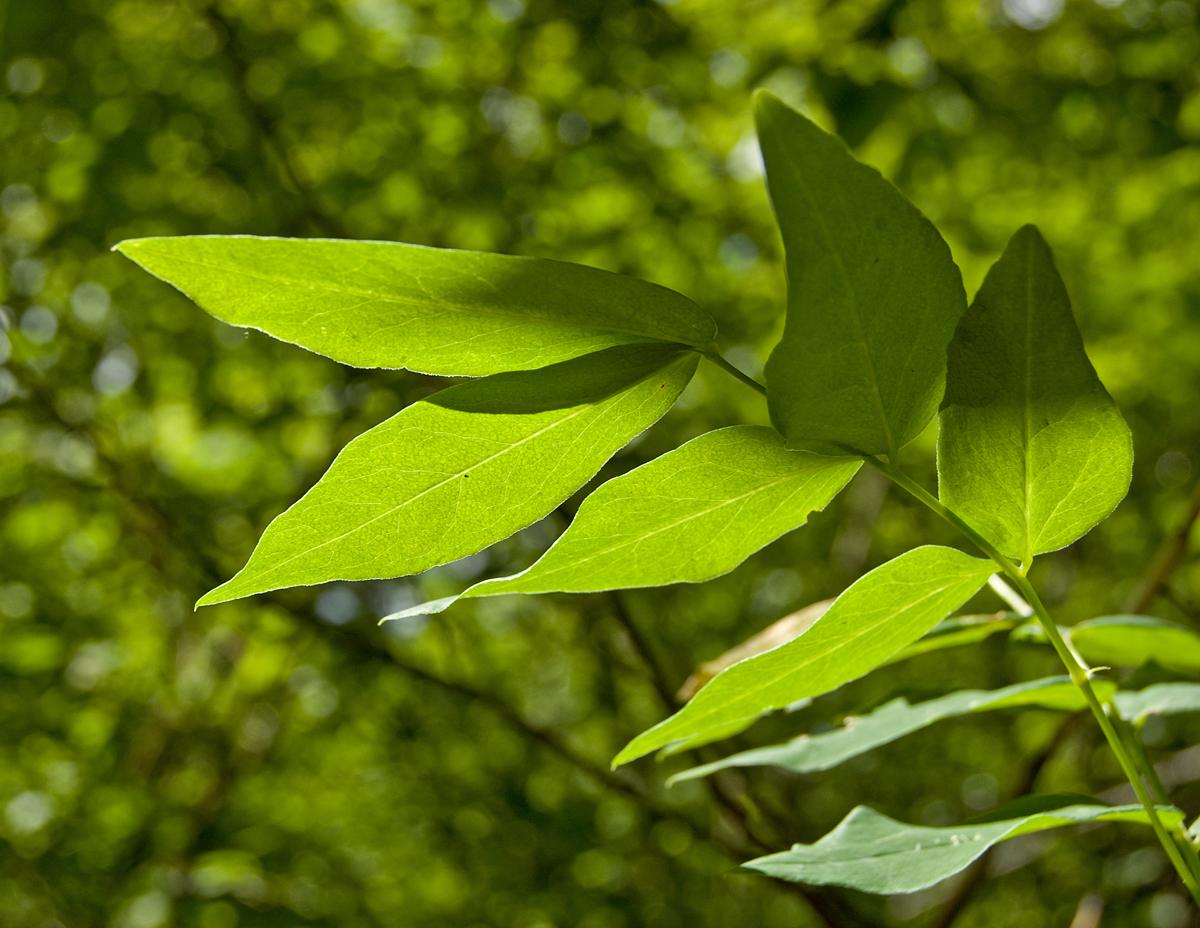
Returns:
point(870, 852)
point(434, 310)
point(1032, 451)
point(895, 719)
point(687, 516)
point(467, 467)
point(873, 296)
point(957, 632)
point(879, 614)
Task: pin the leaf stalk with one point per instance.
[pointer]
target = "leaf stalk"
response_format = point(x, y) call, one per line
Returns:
point(1189, 871)
point(733, 371)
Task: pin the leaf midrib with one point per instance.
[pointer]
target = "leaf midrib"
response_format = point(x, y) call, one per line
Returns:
point(860, 334)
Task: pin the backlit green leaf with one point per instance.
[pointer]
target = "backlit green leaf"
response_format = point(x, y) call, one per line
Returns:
point(898, 718)
point(467, 467)
point(1130, 640)
point(870, 852)
point(690, 515)
point(873, 296)
point(879, 614)
point(1032, 451)
point(434, 310)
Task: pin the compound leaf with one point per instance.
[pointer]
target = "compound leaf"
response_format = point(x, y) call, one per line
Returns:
point(894, 720)
point(870, 852)
point(434, 310)
point(879, 614)
point(464, 468)
point(687, 516)
point(873, 296)
point(1032, 451)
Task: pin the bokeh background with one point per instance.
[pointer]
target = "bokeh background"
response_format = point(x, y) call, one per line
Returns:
point(284, 762)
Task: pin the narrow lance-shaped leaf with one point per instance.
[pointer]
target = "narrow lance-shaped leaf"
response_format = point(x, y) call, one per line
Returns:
point(687, 516)
point(898, 718)
point(1032, 451)
point(879, 614)
point(467, 467)
point(875, 854)
point(1130, 640)
point(434, 310)
point(873, 296)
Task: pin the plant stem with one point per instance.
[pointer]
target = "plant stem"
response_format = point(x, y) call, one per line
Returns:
point(730, 369)
point(1079, 671)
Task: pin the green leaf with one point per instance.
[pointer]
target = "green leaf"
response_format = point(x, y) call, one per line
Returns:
point(687, 516)
point(870, 852)
point(895, 719)
point(434, 310)
point(956, 632)
point(467, 467)
point(1131, 640)
point(879, 614)
point(873, 296)
point(1160, 699)
point(1032, 451)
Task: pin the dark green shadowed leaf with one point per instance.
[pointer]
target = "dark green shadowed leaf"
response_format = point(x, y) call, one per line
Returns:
point(879, 614)
point(434, 310)
point(467, 467)
point(1161, 699)
point(898, 718)
point(870, 852)
point(690, 515)
point(873, 296)
point(1032, 451)
point(957, 632)
point(1130, 640)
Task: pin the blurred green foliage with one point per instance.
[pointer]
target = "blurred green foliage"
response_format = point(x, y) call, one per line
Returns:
point(283, 761)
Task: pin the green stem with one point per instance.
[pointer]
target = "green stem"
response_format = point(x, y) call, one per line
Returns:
point(1080, 673)
point(730, 369)
point(1129, 733)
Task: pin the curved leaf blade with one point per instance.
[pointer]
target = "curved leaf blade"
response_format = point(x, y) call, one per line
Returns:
point(956, 632)
point(1160, 699)
point(875, 854)
point(879, 614)
point(433, 310)
point(873, 296)
point(1032, 451)
point(454, 473)
point(1131, 640)
point(687, 516)
point(894, 720)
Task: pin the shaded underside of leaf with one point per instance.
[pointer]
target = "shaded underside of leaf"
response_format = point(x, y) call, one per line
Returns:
point(1032, 451)
point(895, 719)
point(1131, 640)
point(873, 853)
point(957, 632)
point(879, 614)
point(434, 310)
point(1160, 699)
point(467, 467)
point(873, 296)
